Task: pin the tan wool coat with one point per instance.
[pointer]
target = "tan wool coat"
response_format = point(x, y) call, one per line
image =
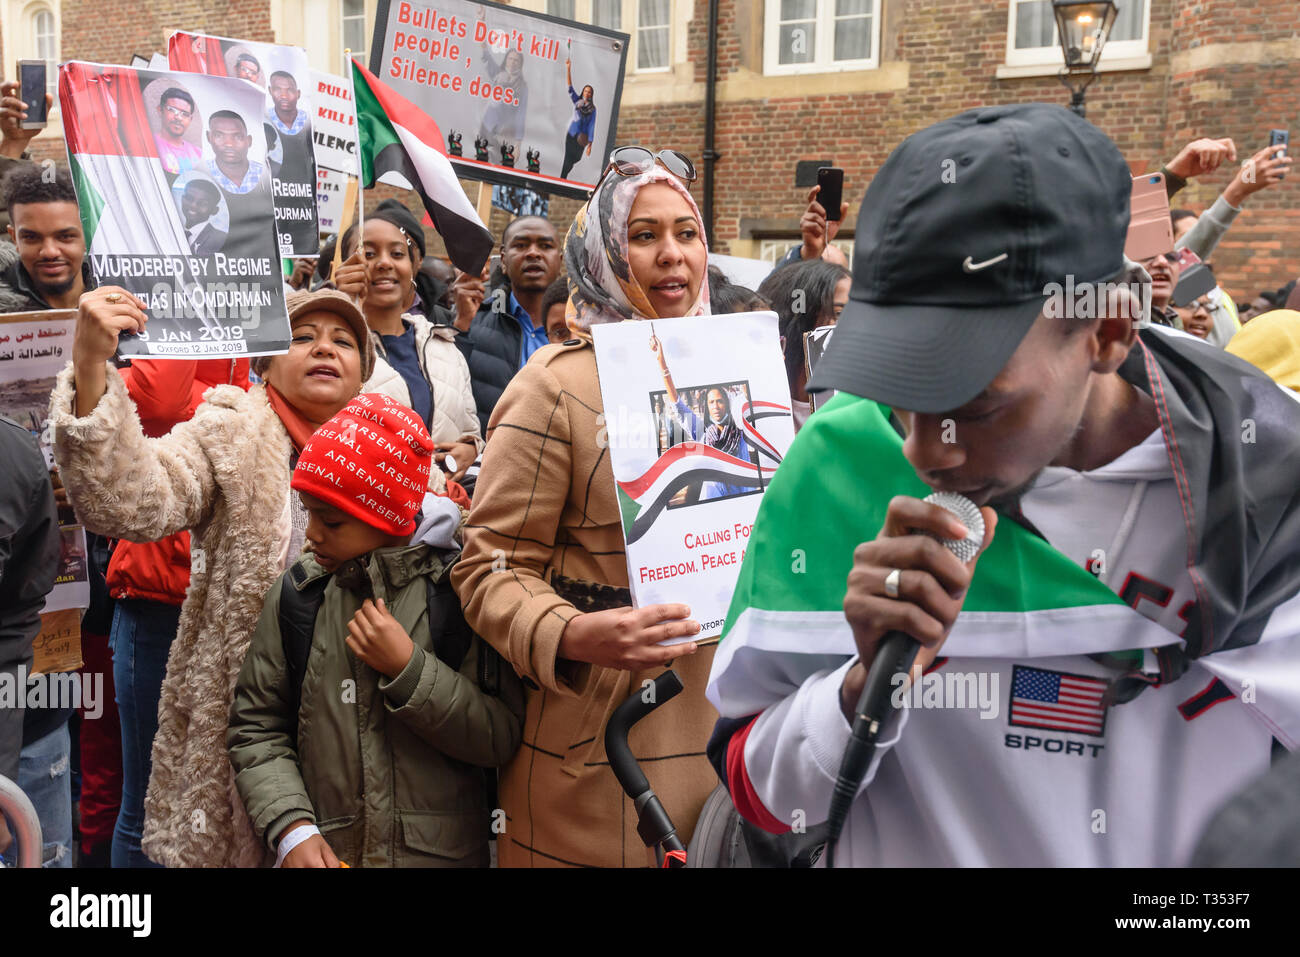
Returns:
point(225, 475)
point(545, 505)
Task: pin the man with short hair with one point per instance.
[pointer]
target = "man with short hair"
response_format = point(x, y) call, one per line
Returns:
point(244, 183)
point(48, 268)
point(1124, 648)
point(1164, 270)
point(200, 201)
point(247, 68)
point(293, 160)
point(500, 330)
point(175, 113)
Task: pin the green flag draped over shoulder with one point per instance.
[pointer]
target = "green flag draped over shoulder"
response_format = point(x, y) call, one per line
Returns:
point(830, 494)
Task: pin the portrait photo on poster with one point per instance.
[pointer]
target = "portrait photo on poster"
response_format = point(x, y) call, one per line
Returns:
point(708, 414)
point(283, 75)
point(179, 207)
point(695, 434)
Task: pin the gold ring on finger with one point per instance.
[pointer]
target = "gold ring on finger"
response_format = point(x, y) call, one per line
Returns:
point(891, 583)
point(113, 297)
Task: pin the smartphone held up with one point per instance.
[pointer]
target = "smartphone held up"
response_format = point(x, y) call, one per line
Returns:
point(31, 90)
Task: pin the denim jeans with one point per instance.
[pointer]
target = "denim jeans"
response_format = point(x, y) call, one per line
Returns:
point(141, 639)
point(45, 776)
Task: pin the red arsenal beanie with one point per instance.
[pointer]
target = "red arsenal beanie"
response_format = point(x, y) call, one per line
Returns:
point(371, 461)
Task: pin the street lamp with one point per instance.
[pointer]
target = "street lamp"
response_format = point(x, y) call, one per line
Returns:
point(1083, 26)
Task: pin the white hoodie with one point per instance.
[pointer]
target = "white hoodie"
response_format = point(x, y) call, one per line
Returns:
point(1075, 784)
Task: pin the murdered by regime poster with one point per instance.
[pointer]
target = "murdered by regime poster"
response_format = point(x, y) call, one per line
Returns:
point(284, 77)
point(153, 156)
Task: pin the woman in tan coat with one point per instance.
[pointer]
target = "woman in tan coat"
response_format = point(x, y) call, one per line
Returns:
point(225, 475)
point(544, 576)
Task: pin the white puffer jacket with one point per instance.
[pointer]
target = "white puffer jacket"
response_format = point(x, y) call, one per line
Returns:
point(454, 418)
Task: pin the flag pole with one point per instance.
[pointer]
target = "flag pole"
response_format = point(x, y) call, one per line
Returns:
point(484, 202)
point(361, 196)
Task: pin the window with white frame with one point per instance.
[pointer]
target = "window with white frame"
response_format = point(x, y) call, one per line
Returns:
point(47, 48)
point(354, 28)
point(653, 34)
point(600, 13)
point(651, 50)
point(1031, 33)
point(820, 36)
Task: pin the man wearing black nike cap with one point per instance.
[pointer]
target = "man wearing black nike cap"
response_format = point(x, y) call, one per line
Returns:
point(993, 312)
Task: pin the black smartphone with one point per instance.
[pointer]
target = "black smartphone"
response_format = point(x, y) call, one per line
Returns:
point(831, 194)
point(1279, 136)
point(31, 83)
point(1194, 282)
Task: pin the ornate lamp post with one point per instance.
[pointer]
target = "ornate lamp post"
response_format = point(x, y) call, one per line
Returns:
point(1083, 26)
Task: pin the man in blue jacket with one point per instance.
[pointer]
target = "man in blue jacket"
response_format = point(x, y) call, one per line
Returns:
point(500, 329)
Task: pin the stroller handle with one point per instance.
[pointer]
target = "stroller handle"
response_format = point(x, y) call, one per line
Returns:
point(653, 824)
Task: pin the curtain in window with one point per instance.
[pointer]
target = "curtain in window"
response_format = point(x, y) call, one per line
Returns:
point(652, 33)
point(561, 8)
point(798, 39)
point(852, 29)
point(1128, 21)
point(607, 13)
point(1036, 27)
point(1035, 24)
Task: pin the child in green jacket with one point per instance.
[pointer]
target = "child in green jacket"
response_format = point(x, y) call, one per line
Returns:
point(366, 709)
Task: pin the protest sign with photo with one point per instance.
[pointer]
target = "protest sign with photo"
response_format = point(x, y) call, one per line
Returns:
point(175, 201)
point(72, 582)
point(520, 201)
point(34, 347)
point(284, 77)
point(522, 98)
point(692, 449)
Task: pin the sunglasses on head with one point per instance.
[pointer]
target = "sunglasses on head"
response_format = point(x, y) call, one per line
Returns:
point(631, 160)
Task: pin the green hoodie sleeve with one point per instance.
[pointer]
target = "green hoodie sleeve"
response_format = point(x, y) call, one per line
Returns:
point(450, 711)
point(260, 739)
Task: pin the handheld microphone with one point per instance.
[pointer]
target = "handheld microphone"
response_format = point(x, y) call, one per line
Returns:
point(895, 655)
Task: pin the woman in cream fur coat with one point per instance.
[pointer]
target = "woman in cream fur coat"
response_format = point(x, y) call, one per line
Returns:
point(225, 475)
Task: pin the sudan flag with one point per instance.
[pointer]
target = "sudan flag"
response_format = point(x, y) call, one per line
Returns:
point(786, 620)
point(396, 136)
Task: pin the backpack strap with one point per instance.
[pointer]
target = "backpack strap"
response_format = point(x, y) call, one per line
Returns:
point(299, 606)
point(452, 636)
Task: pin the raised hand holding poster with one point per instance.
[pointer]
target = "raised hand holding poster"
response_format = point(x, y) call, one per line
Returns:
point(175, 202)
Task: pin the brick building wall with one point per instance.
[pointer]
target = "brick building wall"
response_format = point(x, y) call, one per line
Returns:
point(1219, 68)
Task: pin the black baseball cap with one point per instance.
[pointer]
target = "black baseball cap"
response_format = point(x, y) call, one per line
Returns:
point(960, 232)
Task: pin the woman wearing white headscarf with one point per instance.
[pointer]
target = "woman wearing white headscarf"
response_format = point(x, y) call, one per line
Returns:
point(544, 576)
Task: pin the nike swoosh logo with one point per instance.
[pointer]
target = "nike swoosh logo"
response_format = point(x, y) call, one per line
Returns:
point(976, 267)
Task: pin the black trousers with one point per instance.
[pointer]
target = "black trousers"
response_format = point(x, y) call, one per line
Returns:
point(572, 153)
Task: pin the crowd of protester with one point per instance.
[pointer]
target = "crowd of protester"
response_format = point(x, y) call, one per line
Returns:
point(476, 606)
